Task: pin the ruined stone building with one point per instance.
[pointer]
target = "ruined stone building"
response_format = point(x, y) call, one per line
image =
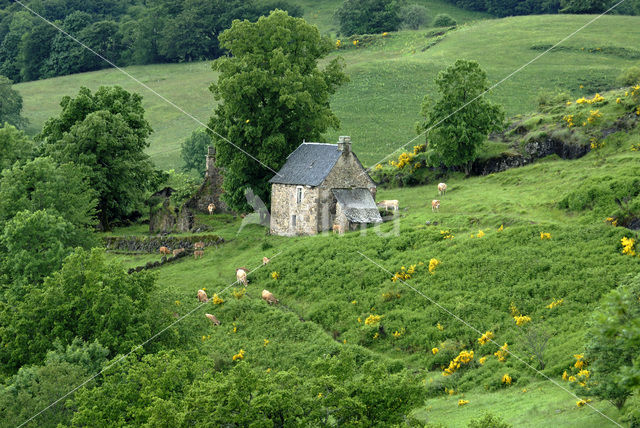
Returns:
point(319, 186)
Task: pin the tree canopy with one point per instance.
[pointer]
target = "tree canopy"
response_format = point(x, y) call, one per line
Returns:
point(105, 132)
point(14, 146)
point(460, 120)
point(193, 151)
point(613, 343)
point(125, 32)
point(89, 298)
point(10, 105)
point(273, 96)
point(368, 16)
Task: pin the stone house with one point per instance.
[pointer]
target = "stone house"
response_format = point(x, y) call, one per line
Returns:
point(319, 186)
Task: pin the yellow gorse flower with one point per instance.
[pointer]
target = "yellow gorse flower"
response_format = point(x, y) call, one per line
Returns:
point(502, 353)
point(433, 263)
point(464, 357)
point(239, 355)
point(434, 351)
point(440, 327)
point(217, 300)
point(555, 303)
point(487, 336)
point(275, 275)
point(522, 319)
point(628, 245)
point(266, 342)
point(462, 402)
point(506, 379)
point(373, 319)
point(545, 235)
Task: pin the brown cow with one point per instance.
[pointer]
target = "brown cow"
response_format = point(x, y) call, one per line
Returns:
point(178, 251)
point(198, 254)
point(198, 245)
point(337, 229)
point(269, 297)
point(442, 189)
point(165, 250)
point(435, 205)
point(211, 208)
point(241, 275)
point(265, 260)
point(213, 319)
point(202, 296)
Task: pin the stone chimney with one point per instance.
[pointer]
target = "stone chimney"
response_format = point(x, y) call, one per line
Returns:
point(211, 161)
point(344, 144)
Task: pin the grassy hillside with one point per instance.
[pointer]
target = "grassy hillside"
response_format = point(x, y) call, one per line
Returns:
point(495, 261)
point(389, 78)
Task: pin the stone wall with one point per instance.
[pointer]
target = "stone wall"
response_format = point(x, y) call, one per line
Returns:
point(284, 205)
point(153, 243)
point(211, 189)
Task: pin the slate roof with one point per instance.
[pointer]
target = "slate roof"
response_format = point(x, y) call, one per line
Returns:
point(358, 205)
point(308, 165)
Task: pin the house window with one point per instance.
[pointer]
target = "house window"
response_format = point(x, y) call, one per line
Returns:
point(298, 194)
point(293, 221)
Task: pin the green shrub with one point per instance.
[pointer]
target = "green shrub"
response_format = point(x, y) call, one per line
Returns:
point(413, 16)
point(488, 421)
point(629, 77)
point(444, 20)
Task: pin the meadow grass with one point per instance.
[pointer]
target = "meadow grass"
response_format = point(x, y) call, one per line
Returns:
point(389, 79)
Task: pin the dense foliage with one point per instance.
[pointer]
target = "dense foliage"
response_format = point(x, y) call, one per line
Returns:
point(368, 16)
point(613, 343)
point(460, 120)
point(10, 104)
point(273, 95)
point(14, 146)
point(88, 298)
point(106, 133)
point(193, 151)
point(123, 31)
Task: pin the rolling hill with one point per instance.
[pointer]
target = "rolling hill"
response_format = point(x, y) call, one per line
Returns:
point(389, 78)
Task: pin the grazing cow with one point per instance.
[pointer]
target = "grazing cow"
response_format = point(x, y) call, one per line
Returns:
point(178, 251)
point(241, 275)
point(442, 189)
point(198, 245)
point(393, 203)
point(269, 297)
point(198, 254)
point(202, 296)
point(435, 205)
point(213, 319)
point(265, 260)
point(211, 208)
point(337, 229)
point(165, 250)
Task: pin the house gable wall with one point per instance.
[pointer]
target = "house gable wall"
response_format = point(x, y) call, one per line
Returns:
point(284, 205)
point(347, 173)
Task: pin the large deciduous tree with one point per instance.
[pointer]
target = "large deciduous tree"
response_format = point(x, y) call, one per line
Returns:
point(460, 120)
point(107, 133)
point(273, 96)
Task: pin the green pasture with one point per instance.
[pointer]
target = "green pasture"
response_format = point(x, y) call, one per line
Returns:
point(389, 78)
